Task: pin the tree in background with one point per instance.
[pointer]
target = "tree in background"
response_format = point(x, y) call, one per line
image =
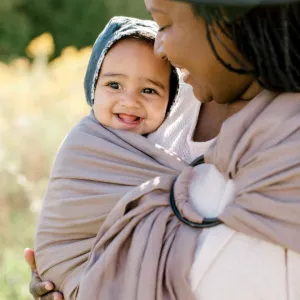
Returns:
point(15, 29)
point(71, 22)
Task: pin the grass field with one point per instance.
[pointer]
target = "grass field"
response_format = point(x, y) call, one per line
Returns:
point(39, 103)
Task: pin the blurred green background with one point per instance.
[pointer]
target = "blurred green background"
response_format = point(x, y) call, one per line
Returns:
point(44, 50)
point(71, 22)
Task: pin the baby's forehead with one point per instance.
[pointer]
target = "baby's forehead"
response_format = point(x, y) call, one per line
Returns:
point(135, 54)
point(121, 47)
point(132, 38)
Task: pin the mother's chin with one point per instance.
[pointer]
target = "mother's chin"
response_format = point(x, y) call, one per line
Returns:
point(201, 92)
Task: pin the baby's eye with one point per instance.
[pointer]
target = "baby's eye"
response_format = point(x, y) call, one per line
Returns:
point(114, 85)
point(149, 91)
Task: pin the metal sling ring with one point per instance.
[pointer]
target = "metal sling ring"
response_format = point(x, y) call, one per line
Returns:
point(207, 222)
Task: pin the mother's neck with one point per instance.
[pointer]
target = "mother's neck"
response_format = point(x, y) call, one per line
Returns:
point(211, 117)
point(212, 114)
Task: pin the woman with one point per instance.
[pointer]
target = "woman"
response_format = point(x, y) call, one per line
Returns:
point(238, 52)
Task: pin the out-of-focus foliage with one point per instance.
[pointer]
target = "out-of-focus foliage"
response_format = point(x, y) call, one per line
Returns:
point(71, 22)
point(39, 103)
point(41, 98)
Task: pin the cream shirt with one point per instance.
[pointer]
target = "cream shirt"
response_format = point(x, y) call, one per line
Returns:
point(227, 265)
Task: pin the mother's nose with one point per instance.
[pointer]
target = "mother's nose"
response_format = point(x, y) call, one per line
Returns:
point(159, 50)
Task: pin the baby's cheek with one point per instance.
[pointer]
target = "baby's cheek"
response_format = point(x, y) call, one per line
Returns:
point(160, 117)
point(102, 112)
point(97, 113)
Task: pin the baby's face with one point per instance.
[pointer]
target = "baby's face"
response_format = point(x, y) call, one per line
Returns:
point(132, 91)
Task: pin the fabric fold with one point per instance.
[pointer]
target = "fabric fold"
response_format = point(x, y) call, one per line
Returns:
point(107, 231)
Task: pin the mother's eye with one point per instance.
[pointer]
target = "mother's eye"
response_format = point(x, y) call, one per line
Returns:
point(162, 28)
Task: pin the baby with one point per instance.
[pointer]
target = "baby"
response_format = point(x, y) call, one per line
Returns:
point(128, 87)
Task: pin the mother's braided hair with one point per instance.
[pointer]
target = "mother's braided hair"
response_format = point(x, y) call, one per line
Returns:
point(267, 36)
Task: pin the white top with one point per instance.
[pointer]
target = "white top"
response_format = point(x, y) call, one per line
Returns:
point(176, 133)
point(228, 265)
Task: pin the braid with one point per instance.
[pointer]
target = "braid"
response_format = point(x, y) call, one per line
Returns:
point(268, 37)
point(219, 58)
point(273, 60)
point(287, 50)
point(240, 62)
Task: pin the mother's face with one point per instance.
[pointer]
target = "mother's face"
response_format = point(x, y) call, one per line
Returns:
point(183, 40)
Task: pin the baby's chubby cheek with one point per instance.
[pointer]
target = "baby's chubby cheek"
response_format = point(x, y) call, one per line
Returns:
point(100, 115)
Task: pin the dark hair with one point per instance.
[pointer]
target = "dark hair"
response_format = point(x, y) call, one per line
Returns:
point(174, 87)
point(174, 76)
point(267, 36)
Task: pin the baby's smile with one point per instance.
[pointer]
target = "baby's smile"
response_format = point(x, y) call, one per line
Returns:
point(130, 121)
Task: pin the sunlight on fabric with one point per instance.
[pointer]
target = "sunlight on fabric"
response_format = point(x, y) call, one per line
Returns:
point(144, 185)
point(166, 151)
point(156, 181)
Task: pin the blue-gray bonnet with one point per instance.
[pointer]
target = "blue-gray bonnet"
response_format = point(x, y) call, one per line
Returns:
point(117, 29)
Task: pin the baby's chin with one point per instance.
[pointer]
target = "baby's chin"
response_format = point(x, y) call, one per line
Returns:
point(140, 130)
point(147, 127)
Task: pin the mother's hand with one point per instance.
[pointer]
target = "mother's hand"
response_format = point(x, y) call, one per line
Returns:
point(40, 290)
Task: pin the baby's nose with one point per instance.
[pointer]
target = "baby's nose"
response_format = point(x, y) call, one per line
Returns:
point(131, 101)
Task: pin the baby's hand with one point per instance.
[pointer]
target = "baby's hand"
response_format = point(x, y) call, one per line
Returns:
point(40, 290)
